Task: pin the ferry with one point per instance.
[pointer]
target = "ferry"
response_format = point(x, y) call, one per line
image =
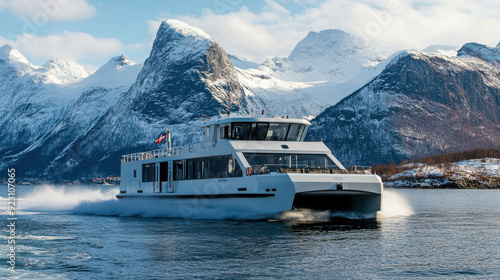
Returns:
point(250, 165)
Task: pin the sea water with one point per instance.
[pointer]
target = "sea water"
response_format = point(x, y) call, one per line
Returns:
point(83, 232)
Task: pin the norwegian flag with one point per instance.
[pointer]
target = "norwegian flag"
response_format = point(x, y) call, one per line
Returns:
point(160, 138)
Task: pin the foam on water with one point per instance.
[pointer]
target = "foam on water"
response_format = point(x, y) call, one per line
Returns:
point(46, 198)
point(94, 201)
point(394, 205)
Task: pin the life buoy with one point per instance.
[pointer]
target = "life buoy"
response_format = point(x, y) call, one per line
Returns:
point(249, 171)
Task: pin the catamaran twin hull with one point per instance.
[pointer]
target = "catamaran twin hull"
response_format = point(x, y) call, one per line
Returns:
point(237, 173)
point(279, 194)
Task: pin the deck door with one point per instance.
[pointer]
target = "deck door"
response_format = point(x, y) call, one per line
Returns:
point(157, 182)
point(170, 184)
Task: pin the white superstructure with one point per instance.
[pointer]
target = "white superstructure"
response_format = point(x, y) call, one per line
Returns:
point(258, 165)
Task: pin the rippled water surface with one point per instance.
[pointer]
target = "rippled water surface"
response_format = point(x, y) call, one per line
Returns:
point(83, 233)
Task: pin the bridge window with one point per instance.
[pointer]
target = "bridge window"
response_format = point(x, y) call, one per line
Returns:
point(240, 131)
point(295, 132)
point(277, 131)
point(258, 131)
point(266, 131)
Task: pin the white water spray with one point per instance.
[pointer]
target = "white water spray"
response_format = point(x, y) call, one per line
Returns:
point(46, 198)
point(394, 205)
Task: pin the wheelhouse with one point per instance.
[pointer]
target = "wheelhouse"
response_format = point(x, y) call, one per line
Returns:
point(256, 129)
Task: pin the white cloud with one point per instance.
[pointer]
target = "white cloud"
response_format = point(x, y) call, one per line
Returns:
point(274, 30)
point(3, 4)
point(39, 12)
point(68, 45)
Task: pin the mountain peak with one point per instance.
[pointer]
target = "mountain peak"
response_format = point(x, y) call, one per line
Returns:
point(483, 52)
point(15, 60)
point(177, 42)
point(322, 43)
point(330, 55)
point(331, 34)
point(117, 72)
point(9, 53)
point(60, 71)
point(120, 61)
point(179, 27)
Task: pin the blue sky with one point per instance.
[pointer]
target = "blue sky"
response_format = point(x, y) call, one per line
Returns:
point(93, 31)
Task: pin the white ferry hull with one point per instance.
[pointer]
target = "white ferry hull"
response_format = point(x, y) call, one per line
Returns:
point(270, 194)
point(338, 192)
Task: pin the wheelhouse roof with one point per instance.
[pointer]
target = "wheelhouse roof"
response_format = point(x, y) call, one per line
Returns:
point(254, 120)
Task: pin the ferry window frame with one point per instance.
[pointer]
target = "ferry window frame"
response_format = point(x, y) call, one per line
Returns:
point(236, 125)
point(215, 167)
point(148, 172)
point(260, 135)
point(225, 132)
point(179, 175)
point(300, 132)
point(276, 136)
point(278, 161)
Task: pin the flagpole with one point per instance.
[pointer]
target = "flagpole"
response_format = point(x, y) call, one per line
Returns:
point(169, 147)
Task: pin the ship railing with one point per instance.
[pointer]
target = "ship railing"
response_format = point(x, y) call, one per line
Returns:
point(196, 147)
point(151, 154)
point(360, 169)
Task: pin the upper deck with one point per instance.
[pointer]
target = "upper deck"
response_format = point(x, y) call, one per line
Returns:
point(239, 128)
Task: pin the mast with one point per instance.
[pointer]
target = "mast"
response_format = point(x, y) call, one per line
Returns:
point(169, 143)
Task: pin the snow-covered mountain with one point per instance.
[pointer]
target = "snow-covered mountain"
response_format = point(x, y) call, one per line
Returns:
point(186, 74)
point(44, 109)
point(322, 69)
point(483, 52)
point(421, 104)
point(57, 71)
point(328, 55)
point(63, 120)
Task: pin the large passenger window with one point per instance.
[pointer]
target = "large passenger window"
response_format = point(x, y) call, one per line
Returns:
point(271, 162)
point(212, 167)
point(178, 170)
point(148, 172)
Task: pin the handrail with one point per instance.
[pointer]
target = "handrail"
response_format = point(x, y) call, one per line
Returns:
point(151, 154)
point(175, 151)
